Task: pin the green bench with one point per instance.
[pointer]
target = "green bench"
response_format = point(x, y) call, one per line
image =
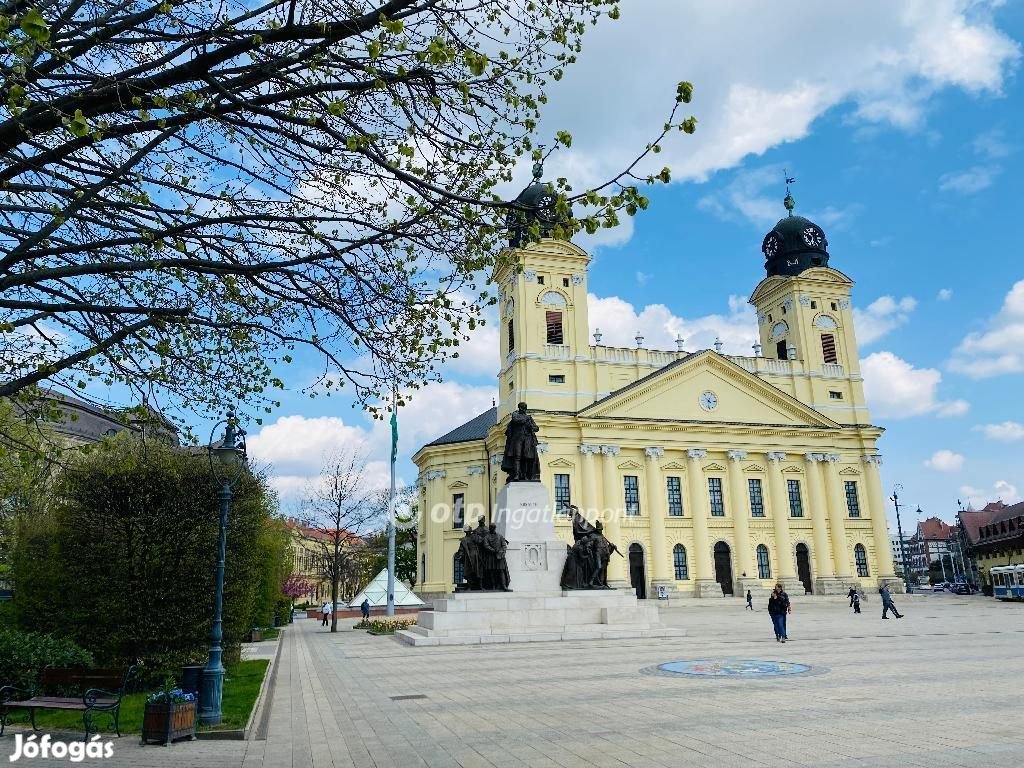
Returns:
point(99, 692)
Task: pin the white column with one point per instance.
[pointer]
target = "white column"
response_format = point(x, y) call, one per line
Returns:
point(816, 501)
point(614, 509)
point(697, 487)
point(837, 516)
point(780, 517)
point(656, 512)
point(590, 503)
point(740, 513)
point(876, 508)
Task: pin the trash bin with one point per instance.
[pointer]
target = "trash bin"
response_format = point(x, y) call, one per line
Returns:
point(191, 680)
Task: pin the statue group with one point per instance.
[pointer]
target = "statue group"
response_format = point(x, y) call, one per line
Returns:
point(586, 564)
point(482, 552)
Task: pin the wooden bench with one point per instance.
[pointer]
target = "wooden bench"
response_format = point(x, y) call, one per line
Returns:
point(99, 692)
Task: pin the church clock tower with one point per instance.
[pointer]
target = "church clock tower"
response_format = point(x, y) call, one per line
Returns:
point(543, 310)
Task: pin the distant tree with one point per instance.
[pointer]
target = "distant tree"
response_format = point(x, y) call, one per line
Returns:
point(193, 190)
point(296, 586)
point(340, 509)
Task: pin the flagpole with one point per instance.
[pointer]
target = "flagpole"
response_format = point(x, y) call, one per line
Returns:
point(390, 609)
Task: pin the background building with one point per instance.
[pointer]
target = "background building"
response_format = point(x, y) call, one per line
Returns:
point(1000, 541)
point(713, 473)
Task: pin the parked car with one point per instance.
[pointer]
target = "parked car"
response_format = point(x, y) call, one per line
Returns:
point(963, 589)
point(938, 588)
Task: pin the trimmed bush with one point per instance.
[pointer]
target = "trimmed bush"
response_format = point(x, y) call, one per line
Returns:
point(24, 654)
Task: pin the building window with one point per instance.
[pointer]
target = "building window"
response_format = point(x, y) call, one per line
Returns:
point(554, 323)
point(783, 309)
point(796, 509)
point(423, 568)
point(814, 304)
point(632, 494)
point(780, 350)
point(835, 395)
point(852, 503)
point(679, 561)
point(828, 348)
point(458, 510)
point(860, 557)
point(511, 336)
point(675, 497)
point(565, 282)
point(764, 567)
point(457, 571)
point(756, 497)
point(562, 499)
point(715, 494)
point(556, 378)
point(511, 386)
point(540, 279)
point(835, 307)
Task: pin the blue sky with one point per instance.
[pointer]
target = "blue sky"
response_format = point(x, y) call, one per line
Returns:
point(898, 121)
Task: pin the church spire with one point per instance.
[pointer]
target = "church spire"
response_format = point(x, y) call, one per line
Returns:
point(788, 200)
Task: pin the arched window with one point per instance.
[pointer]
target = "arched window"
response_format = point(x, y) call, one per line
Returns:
point(764, 566)
point(679, 561)
point(553, 298)
point(457, 570)
point(860, 557)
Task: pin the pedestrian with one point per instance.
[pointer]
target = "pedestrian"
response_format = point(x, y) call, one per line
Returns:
point(851, 594)
point(855, 602)
point(777, 612)
point(888, 604)
point(750, 601)
point(365, 608)
point(325, 609)
point(785, 614)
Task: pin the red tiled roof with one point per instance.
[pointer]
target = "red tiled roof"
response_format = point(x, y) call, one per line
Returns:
point(993, 506)
point(972, 521)
point(933, 529)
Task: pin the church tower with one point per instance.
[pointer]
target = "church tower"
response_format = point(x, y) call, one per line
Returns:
point(543, 310)
point(805, 316)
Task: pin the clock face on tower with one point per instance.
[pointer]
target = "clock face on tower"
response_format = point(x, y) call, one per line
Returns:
point(771, 245)
point(546, 207)
point(813, 237)
point(708, 400)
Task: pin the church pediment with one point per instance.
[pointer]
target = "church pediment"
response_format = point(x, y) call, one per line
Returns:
point(849, 471)
point(560, 462)
point(630, 464)
point(708, 387)
point(793, 469)
point(458, 484)
point(713, 467)
point(673, 465)
point(753, 468)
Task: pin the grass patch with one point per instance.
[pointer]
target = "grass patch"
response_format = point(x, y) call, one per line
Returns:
point(241, 687)
point(271, 633)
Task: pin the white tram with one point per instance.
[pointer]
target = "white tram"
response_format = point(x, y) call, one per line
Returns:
point(1007, 582)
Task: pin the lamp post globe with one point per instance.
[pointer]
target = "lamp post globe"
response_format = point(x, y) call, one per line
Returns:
point(227, 463)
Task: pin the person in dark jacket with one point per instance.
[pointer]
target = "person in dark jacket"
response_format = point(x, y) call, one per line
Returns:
point(851, 594)
point(750, 601)
point(777, 612)
point(365, 608)
point(888, 604)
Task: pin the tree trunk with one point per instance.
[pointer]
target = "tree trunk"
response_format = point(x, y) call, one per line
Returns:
point(335, 578)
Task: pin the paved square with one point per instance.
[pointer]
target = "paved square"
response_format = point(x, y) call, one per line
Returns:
point(941, 687)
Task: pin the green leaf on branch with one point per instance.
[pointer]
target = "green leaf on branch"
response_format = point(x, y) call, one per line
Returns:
point(34, 25)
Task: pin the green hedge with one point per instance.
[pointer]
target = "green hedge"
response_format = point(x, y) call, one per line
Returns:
point(24, 654)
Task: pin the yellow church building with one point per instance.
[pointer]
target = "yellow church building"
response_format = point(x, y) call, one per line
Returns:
point(712, 473)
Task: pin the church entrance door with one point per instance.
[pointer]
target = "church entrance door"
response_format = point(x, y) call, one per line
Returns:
point(723, 567)
point(637, 576)
point(803, 567)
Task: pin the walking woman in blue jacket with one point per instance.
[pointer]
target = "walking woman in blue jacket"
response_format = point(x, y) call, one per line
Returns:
point(777, 611)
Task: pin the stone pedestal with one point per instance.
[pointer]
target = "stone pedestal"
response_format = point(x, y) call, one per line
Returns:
point(708, 588)
point(537, 609)
point(535, 556)
point(833, 585)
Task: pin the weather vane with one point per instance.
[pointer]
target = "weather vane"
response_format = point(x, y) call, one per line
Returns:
point(788, 201)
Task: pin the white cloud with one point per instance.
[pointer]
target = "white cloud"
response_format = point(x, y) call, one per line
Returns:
point(296, 447)
point(753, 196)
point(1004, 432)
point(944, 294)
point(884, 60)
point(998, 350)
point(881, 316)
point(974, 179)
point(1000, 490)
point(642, 278)
point(992, 145)
point(895, 389)
point(619, 322)
point(945, 461)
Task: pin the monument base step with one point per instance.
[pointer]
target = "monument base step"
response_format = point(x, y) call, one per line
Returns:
point(583, 632)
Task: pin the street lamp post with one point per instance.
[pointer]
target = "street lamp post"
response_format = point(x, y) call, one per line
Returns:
point(899, 532)
point(227, 463)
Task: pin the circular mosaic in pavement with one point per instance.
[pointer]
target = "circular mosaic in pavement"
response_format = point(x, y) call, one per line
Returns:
point(735, 668)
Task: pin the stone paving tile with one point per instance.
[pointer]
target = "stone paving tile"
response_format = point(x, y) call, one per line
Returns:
point(575, 704)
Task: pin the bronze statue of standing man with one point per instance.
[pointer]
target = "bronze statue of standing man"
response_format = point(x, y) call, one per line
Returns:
point(520, 460)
